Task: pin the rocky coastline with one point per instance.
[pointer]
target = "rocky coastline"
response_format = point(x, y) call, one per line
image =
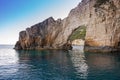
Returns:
point(101, 17)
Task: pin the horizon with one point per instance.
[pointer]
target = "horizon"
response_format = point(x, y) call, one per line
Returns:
point(17, 15)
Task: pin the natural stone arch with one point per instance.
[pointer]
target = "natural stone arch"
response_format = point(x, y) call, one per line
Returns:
point(103, 26)
point(78, 34)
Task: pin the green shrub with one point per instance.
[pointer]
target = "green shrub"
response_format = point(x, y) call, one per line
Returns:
point(78, 33)
point(100, 2)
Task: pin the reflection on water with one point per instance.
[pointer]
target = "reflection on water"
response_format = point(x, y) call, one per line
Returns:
point(103, 66)
point(102, 61)
point(47, 64)
point(58, 65)
point(8, 57)
point(79, 62)
point(78, 48)
point(8, 62)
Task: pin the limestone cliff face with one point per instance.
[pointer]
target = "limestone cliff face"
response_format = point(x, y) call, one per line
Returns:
point(40, 36)
point(103, 30)
point(101, 17)
point(51, 34)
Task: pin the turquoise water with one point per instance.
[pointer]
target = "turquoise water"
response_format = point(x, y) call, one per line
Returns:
point(58, 65)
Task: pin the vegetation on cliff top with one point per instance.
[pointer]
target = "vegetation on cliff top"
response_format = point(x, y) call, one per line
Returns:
point(100, 2)
point(78, 33)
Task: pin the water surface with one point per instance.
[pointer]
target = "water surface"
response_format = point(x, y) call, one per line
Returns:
point(57, 65)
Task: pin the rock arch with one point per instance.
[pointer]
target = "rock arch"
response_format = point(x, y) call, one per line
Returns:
point(103, 26)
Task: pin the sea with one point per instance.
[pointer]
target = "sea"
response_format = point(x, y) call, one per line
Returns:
point(57, 64)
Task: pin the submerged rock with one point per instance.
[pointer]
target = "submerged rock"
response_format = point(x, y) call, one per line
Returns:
point(102, 19)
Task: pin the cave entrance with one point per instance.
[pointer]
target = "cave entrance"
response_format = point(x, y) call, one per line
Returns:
point(118, 45)
point(77, 37)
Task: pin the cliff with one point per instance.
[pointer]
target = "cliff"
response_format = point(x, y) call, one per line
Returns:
point(103, 30)
point(101, 17)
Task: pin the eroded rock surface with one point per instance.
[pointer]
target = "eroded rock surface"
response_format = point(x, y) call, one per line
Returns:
point(103, 28)
point(40, 36)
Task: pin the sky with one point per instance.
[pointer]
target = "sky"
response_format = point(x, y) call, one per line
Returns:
point(17, 15)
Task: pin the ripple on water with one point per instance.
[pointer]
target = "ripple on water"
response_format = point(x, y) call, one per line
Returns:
point(58, 65)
